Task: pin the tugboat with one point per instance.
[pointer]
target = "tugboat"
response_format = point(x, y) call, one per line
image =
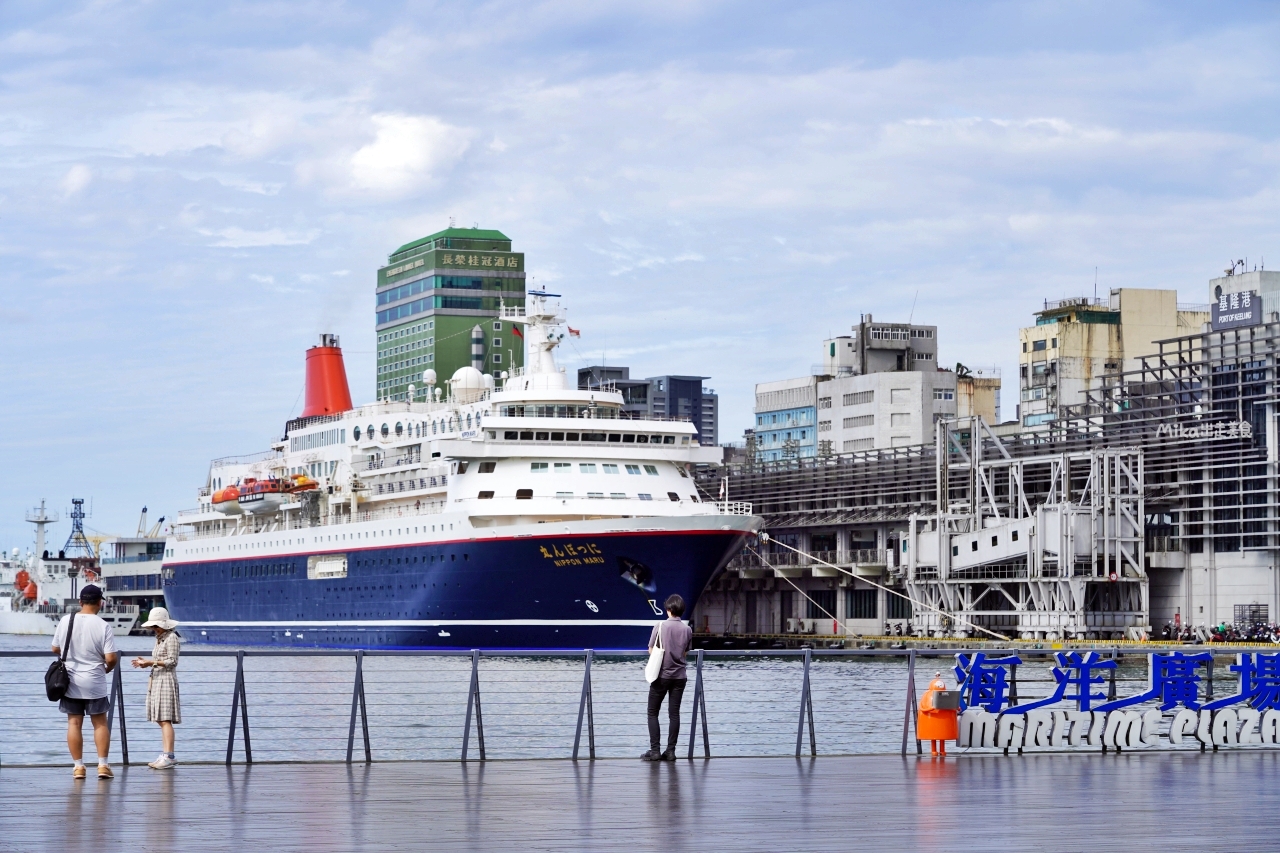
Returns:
point(509, 511)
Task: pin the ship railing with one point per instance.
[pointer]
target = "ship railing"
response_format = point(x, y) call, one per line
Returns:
point(294, 521)
point(249, 459)
point(306, 704)
point(790, 559)
point(734, 507)
point(139, 558)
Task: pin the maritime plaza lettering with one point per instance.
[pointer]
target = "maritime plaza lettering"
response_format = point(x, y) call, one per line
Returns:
point(1234, 310)
point(1176, 711)
point(1206, 431)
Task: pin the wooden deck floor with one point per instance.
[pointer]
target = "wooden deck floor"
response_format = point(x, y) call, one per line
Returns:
point(1227, 801)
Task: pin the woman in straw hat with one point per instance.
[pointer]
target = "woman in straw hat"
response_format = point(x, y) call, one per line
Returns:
point(162, 688)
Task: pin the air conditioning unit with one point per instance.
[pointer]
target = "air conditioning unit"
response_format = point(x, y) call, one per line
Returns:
point(793, 626)
point(808, 626)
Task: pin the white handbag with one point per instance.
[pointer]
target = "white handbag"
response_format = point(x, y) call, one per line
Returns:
point(653, 668)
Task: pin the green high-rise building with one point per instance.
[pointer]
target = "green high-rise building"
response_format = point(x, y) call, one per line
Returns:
point(431, 296)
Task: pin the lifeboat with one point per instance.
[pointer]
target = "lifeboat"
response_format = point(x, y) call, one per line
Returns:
point(259, 497)
point(225, 501)
point(31, 591)
point(22, 579)
point(302, 483)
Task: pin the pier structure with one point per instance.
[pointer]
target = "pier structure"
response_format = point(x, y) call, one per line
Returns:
point(1151, 503)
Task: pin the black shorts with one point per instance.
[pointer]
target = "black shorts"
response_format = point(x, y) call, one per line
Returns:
point(80, 707)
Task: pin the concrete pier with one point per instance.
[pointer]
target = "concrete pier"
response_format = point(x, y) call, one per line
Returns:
point(1185, 801)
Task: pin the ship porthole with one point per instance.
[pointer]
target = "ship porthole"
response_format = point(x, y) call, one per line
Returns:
point(385, 431)
point(399, 429)
point(356, 433)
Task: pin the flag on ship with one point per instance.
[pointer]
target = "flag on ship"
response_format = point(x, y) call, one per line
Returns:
point(574, 333)
point(516, 329)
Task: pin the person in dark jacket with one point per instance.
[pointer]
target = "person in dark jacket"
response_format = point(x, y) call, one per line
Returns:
point(676, 639)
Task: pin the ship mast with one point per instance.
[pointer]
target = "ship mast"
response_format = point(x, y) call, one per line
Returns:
point(41, 519)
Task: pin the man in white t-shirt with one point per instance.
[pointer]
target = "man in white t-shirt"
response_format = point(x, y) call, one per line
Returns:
point(90, 656)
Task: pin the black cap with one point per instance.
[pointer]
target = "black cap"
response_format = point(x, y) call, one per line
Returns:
point(90, 594)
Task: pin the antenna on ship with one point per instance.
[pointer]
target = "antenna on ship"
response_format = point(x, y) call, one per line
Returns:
point(40, 519)
point(77, 543)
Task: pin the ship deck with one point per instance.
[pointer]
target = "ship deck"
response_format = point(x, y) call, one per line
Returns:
point(1042, 802)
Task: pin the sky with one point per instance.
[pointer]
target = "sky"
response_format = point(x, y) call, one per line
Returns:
point(191, 192)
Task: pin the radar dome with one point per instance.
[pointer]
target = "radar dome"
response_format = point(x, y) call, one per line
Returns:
point(467, 384)
point(429, 377)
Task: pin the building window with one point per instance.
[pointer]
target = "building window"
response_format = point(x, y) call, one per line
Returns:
point(497, 358)
point(898, 607)
point(900, 419)
point(1055, 343)
point(538, 467)
point(859, 398)
point(861, 603)
point(1038, 346)
point(943, 394)
point(859, 422)
point(497, 342)
point(497, 325)
point(859, 444)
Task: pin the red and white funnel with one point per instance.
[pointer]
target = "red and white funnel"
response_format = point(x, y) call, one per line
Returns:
point(327, 390)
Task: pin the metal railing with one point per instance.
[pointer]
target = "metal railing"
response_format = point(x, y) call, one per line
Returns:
point(365, 704)
point(856, 557)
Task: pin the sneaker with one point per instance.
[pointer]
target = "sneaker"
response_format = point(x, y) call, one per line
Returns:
point(164, 762)
point(651, 755)
point(104, 772)
point(79, 772)
point(669, 755)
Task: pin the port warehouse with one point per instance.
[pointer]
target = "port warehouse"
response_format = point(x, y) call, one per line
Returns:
point(1161, 482)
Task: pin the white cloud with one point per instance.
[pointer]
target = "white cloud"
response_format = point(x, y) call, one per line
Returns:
point(76, 179)
point(240, 238)
point(407, 151)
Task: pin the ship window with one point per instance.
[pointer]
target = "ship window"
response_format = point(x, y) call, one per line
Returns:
point(610, 469)
point(655, 439)
point(526, 436)
point(594, 495)
point(593, 436)
point(564, 467)
point(693, 498)
point(614, 438)
point(524, 494)
point(557, 436)
point(538, 467)
point(510, 435)
point(570, 436)
point(674, 497)
point(618, 495)
point(683, 473)
point(587, 467)
point(564, 494)
point(399, 428)
point(369, 432)
point(356, 433)
point(628, 439)
point(651, 469)
point(542, 436)
point(642, 439)
point(484, 496)
point(645, 497)
point(1014, 536)
point(633, 469)
point(487, 467)
point(385, 431)
point(668, 439)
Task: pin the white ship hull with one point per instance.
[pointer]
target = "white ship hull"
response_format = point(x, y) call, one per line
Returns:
point(41, 624)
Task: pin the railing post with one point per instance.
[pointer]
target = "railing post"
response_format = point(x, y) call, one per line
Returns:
point(473, 699)
point(239, 704)
point(909, 713)
point(699, 705)
point(357, 700)
point(806, 708)
point(117, 700)
point(1111, 687)
point(584, 708)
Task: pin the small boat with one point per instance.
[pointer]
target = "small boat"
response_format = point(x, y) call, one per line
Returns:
point(226, 501)
point(258, 497)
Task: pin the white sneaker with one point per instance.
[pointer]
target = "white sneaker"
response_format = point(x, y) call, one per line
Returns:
point(164, 762)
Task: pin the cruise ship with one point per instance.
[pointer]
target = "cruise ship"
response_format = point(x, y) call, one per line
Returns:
point(507, 513)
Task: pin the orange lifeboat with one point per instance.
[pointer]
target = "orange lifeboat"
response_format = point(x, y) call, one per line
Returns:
point(302, 483)
point(258, 497)
point(22, 579)
point(31, 592)
point(225, 501)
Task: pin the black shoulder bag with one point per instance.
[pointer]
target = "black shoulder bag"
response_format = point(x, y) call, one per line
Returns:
point(57, 681)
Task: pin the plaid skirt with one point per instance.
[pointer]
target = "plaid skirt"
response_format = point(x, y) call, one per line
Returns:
point(162, 697)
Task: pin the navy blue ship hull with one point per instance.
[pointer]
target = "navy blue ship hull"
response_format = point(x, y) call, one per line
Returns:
point(574, 591)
